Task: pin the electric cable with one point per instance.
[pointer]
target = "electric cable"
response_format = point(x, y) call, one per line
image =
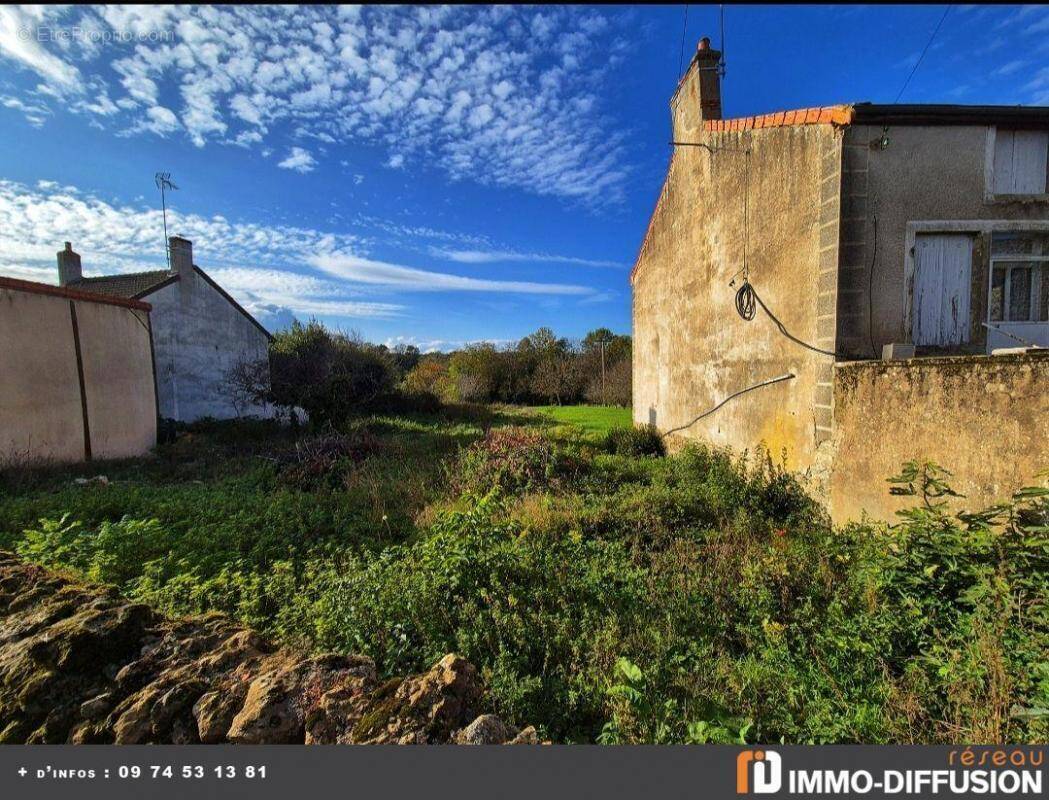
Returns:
point(745, 305)
point(747, 296)
point(681, 56)
point(922, 56)
point(721, 63)
point(870, 291)
point(710, 411)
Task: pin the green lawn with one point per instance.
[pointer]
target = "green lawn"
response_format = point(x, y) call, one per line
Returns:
point(593, 419)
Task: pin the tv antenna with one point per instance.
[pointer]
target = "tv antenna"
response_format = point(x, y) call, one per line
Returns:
point(164, 183)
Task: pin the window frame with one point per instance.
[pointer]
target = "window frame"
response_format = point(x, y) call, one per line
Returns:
point(990, 196)
point(1035, 290)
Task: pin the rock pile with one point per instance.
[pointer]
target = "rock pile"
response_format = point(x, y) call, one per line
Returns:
point(80, 664)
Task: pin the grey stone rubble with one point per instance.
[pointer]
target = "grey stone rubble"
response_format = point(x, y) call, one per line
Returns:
point(81, 664)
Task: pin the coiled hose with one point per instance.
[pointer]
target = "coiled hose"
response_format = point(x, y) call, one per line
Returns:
point(747, 300)
point(745, 305)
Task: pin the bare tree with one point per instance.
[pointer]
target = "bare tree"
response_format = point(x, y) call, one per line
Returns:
point(247, 384)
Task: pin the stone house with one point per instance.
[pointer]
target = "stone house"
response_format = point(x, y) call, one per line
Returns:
point(849, 228)
point(199, 332)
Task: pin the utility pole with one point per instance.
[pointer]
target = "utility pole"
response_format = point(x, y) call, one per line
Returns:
point(164, 182)
point(604, 395)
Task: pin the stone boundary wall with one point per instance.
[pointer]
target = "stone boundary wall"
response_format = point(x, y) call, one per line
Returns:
point(984, 418)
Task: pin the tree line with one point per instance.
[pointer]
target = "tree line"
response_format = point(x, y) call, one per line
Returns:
point(540, 368)
point(331, 374)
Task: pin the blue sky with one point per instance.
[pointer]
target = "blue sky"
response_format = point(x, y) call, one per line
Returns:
point(422, 175)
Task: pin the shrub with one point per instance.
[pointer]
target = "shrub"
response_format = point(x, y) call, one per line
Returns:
point(247, 384)
point(971, 593)
point(322, 461)
point(700, 597)
point(511, 459)
point(531, 611)
point(635, 441)
point(329, 375)
point(474, 374)
point(111, 554)
point(403, 402)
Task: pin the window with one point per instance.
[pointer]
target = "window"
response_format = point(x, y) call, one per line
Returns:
point(1019, 277)
point(1021, 160)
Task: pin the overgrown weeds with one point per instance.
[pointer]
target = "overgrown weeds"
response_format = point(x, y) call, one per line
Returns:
point(325, 461)
point(511, 459)
point(635, 442)
point(698, 597)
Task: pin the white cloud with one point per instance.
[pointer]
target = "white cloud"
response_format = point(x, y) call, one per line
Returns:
point(442, 345)
point(266, 268)
point(502, 95)
point(498, 256)
point(113, 239)
point(1009, 68)
point(266, 290)
point(158, 120)
point(299, 160)
point(122, 238)
point(599, 297)
point(36, 114)
point(380, 273)
point(19, 28)
point(1022, 14)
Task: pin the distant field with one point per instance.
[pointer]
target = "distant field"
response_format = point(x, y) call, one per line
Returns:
point(594, 419)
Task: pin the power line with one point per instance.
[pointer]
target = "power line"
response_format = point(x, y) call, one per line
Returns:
point(721, 63)
point(922, 56)
point(681, 56)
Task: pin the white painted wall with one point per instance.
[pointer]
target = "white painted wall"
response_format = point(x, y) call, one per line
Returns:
point(197, 336)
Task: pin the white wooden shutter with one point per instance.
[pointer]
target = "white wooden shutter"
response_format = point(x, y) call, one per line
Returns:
point(1030, 150)
point(1020, 161)
point(942, 275)
point(1003, 161)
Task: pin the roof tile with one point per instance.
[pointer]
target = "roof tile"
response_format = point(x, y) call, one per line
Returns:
point(834, 115)
point(129, 285)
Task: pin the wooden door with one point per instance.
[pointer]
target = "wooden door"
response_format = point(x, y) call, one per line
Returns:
point(942, 285)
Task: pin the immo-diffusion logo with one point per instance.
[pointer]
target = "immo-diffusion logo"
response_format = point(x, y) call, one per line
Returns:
point(997, 771)
point(758, 771)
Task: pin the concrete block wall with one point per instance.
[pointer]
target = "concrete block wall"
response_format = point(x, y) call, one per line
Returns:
point(853, 339)
point(827, 287)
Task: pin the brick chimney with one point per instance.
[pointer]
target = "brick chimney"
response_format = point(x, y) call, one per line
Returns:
point(181, 251)
point(698, 95)
point(68, 266)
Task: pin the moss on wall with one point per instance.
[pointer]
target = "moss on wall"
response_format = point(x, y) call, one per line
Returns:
point(985, 418)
